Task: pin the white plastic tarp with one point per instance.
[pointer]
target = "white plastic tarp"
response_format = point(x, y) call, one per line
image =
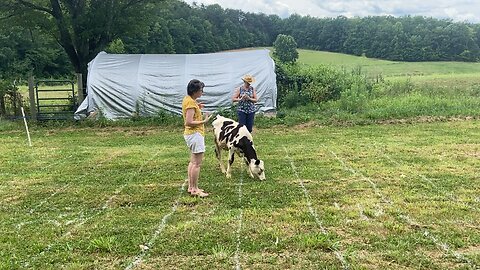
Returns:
point(121, 85)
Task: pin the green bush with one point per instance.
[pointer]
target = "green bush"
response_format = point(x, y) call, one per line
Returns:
point(294, 98)
point(229, 112)
point(289, 84)
point(299, 85)
point(323, 83)
point(355, 98)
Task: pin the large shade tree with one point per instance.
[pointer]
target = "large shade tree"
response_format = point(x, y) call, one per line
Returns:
point(82, 27)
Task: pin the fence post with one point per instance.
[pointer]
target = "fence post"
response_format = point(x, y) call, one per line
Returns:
point(79, 88)
point(31, 94)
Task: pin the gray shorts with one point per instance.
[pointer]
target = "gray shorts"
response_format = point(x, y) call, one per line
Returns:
point(195, 142)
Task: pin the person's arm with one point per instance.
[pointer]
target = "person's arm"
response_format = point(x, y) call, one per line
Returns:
point(254, 98)
point(192, 123)
point(236, 95)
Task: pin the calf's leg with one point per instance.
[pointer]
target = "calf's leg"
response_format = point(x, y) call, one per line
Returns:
point(231, 156)
point(218, 153)
point(249, 171)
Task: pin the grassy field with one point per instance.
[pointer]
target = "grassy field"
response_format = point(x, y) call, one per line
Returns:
point(402, 196)
point(343, 191)
point(374, 67)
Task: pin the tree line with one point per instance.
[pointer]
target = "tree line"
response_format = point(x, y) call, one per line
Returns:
point(50, 38)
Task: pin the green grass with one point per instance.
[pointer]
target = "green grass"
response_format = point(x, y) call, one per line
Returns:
point(374, 67)
point(404, 91)
point(402, 196)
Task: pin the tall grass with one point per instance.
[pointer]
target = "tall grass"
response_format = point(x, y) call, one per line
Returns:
point(372, 90)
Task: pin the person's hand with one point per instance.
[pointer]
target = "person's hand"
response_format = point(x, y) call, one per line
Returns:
point(201, 105)
point(207, 117)
point(245, 97)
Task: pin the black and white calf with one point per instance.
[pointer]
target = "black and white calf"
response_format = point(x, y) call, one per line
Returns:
point(231, 136)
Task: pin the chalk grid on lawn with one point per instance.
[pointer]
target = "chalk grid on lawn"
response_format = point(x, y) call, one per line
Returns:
point(307, 197)
point(146, 247)
point(64, 187)
point(426, 233)
point(410, 221)
point(56, 222)
point(38, 205)
point(102, 210)
point(2, 186)
point(236, 258)
point(449, 195)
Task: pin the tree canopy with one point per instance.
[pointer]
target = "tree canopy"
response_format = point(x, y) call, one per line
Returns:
point(82, 28)
point(56, 37)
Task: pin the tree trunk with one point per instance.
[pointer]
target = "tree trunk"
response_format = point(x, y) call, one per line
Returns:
point(3, 111)
point(84, 71)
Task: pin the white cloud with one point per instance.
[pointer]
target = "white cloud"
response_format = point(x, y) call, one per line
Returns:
point(457, 10)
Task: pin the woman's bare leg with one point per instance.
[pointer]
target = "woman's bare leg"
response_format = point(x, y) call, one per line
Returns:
point(194, 172)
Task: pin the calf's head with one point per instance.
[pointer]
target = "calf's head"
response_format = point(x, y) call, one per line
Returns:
point(257, 168)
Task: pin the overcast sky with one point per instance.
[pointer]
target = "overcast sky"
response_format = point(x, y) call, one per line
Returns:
point(457, 10)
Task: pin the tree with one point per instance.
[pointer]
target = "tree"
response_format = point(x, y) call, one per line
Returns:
point(115, 46)
point(82, 28)
point(285, 49)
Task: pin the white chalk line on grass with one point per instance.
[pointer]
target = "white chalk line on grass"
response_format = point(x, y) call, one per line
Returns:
point(421, 175)
point(440, 244)
point(109, 200)
point(33, 209)
point(410, 221)
point(350, 169)
point(46, 167)
point(337, 253)
point(55, 222)
point(118, 190)
point(145, 248)
point(139, 258)
point(443, 246)
point(78, 225)
point(361, 212)
point(450, 195)
point(236, 257)
point(56, 163)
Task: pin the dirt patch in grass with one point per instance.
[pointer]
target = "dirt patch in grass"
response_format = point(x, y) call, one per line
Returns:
point(11, 200)
point(425, 119)
point(306, 125)
point(472, 250)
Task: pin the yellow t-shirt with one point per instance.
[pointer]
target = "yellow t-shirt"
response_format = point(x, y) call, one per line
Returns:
point(189, 103)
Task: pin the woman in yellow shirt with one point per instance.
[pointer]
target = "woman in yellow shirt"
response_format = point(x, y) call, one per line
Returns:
point(194, 134)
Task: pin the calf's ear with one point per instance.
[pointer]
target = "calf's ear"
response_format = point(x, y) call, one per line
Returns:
point(257, 162)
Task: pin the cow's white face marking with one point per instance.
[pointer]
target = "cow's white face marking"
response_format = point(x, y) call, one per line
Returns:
point(258, 170)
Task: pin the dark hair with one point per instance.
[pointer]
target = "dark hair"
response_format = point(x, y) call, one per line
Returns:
point(194, 86)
